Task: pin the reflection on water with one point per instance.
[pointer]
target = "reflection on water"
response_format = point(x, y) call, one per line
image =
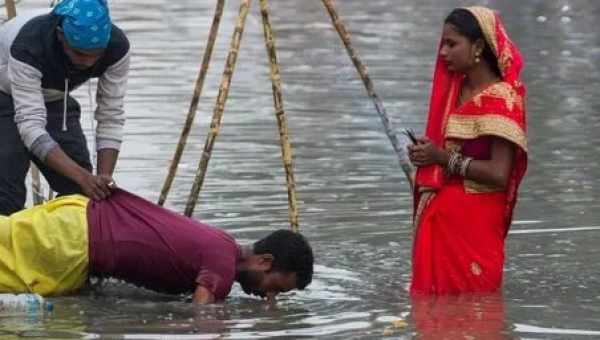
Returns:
point(460, 317)
point(353, 199)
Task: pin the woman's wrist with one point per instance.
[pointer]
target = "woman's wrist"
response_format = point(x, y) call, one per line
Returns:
point(443, 158)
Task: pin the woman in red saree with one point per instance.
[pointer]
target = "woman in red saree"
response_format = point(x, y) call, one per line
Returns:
point(472, 159)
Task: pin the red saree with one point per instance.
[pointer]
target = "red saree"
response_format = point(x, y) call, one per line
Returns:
point(460, 224)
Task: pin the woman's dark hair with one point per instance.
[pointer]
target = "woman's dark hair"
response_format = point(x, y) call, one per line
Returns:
point(291, 253)
point(467, 25)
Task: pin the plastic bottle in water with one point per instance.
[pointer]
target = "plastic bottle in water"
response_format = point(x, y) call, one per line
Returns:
point(27, 303)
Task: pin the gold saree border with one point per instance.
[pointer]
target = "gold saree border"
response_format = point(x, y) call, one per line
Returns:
point(487, 21)
point(501, 90)
point(427, 194)
point(470, 127)
point(473, 187)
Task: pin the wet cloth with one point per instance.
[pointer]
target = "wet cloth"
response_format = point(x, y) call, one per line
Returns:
point(460, 224)
point(44, 249)
point(144, 244)
point(459, 245)
point(85, 23)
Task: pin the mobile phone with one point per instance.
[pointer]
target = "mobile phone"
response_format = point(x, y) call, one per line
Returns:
point(411, 135)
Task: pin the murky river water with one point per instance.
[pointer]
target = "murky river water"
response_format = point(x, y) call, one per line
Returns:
point(354, 202)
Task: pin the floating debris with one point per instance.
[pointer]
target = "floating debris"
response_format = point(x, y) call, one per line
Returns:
point(398, 324)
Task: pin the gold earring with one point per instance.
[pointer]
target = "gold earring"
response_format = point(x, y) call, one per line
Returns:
point(477, 59)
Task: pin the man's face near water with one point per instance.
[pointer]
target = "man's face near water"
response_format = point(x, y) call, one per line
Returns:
point(266, 284)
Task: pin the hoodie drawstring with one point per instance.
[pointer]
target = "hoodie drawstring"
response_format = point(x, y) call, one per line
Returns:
point(64, 126)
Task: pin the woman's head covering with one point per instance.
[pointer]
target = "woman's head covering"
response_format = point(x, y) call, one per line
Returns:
point(509, 58)
point(86, 23)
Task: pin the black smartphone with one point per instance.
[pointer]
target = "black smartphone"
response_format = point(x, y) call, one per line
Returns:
point(411, 135)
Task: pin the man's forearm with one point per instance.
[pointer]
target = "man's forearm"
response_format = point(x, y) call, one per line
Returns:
point(94, 187)
point(58, 160)
point(107, 160)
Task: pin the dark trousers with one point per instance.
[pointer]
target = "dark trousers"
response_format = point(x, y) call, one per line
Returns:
point(15, 158)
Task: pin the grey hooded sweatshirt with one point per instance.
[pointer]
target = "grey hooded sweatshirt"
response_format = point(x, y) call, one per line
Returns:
point(34, 69)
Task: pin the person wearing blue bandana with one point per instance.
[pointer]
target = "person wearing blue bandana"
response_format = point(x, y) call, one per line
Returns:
point(43, 57)
point(86, 24)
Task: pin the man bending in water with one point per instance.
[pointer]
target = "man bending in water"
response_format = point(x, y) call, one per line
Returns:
point(52, 249)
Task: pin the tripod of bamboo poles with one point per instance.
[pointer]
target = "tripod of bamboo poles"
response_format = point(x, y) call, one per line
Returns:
point(36, 182)
point(219, 109)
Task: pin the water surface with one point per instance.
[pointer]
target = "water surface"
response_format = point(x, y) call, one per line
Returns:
point(354, 203)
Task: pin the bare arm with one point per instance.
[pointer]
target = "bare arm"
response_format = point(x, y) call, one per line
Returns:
point(495, 171)
point(203, 296)
point(107, 160)
point(95, 187)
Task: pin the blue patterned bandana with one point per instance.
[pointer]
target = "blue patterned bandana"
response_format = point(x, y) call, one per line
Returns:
point(86, 23)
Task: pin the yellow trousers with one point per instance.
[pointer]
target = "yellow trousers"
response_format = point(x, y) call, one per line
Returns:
point(44, 249)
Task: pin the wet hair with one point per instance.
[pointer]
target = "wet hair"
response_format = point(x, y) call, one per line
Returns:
point(467, 25)
point(291, 253)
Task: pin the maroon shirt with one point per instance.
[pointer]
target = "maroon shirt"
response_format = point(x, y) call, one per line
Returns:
point(142, 243)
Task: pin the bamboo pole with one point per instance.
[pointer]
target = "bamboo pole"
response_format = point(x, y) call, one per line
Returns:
point(212, 37)
point(11, 9)
point(286, 149)
point(399, 147)
point(215, 124)
point(36, 182)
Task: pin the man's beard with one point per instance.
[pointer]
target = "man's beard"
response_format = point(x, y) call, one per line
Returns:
point(250, 281)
